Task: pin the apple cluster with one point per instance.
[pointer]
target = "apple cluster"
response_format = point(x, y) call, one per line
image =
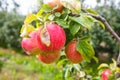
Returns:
point(48, 41)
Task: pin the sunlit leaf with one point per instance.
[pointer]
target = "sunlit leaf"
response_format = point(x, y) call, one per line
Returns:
point(26, 28)
point(113, 65)
point(91, 11)
point(73, 5)
point(46, 8)
point(51, 17)
point(39, 13)
point(84, 20)
point(103, 65)
point(62, 23)
point(86, 38)
point(29, 18)
point(74, 28)
point(101, 24)
point(66, 73)
point(60, 62)
point(57, 14)
point(86, 50)
point(96, 59)
point(77, 67)
point(38, 24)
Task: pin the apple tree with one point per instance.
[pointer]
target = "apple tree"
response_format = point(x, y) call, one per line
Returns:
point(60, 32)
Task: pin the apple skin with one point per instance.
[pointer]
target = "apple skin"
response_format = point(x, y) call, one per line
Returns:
point(57, 38)
point(105, 74)
point(49, 57)
point(71, 53)
point(54, 3)
point(30, 44)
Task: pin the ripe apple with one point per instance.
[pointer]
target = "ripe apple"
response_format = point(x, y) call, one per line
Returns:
point(54, 3)
point(105, 74)
point(49, 57)
point(30, 44)
point(57, 38)
point(72, 54)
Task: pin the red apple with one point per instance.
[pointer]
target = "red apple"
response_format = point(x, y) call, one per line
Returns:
point(49, 57)
point(57, 38)
point(54, 3)
point(72, 54)
point(30, 44)
point(105, 74)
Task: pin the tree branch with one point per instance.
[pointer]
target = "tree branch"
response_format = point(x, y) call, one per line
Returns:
point(107, 26)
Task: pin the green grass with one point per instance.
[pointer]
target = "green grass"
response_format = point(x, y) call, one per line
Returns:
point(14, 66)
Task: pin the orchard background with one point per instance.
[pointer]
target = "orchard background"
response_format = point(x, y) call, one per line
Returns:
point(16, 65)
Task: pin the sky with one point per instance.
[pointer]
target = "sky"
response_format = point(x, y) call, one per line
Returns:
point(26, 6)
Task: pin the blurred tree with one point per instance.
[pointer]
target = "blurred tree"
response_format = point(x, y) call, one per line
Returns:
point(103, 42)
point(4, 5)
point(10, 24)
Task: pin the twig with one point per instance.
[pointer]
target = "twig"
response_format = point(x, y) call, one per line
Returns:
point(107, 26)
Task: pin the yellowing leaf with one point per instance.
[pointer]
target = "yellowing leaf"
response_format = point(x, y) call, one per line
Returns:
point(39, 12)
point(101, 24)
point(26, 28)
point(92, 11)
point(73, 5)
point(29, 18)
point(103, 65)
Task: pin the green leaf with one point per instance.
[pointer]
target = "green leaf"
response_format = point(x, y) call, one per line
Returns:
point(113, 65)
point(74, 28)
point(86, 38)
point(92, 11)
point(57, 14)
point(39, 13)
point(51, 17)
point(101, 24)
point(29, 18)
point(26, 28)
point(73, 5)
point(85, 49)
point(77, 67)
point(96, 59)
point(62, 23)
point(38, 24)
point(66, 72)
point(103, 65)
point(46, 8)
point(61, 62)
point(84, 20)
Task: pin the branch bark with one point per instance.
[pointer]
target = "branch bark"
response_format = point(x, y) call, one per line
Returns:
point(108, 27)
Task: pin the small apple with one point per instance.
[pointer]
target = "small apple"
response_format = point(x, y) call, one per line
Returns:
point(54, 3)
point(72, 54)
point(55, 36)
point(30, 44)
point(105, 74)
point(49, 57)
